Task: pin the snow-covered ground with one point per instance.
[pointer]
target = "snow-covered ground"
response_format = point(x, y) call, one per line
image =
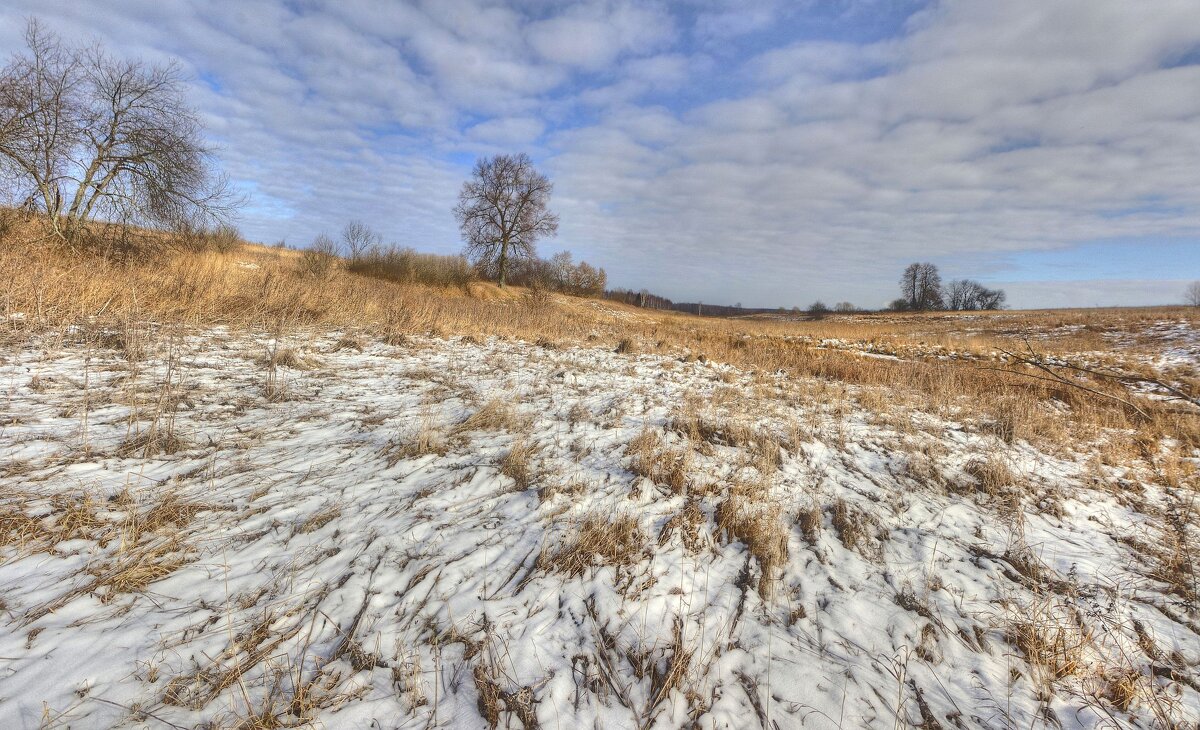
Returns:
point(454, 533)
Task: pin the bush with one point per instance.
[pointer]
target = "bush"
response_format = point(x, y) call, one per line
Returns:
point(559, 274)
point(319, 259)
point(223, 238)
point(407, 266)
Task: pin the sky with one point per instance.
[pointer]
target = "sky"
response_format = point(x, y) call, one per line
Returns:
point(768, 152)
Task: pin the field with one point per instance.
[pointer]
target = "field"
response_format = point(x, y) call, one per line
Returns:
point(235, 495)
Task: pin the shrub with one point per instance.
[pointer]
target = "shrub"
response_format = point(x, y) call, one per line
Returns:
point(407, 266)
point(319, 259)
point(223, 238)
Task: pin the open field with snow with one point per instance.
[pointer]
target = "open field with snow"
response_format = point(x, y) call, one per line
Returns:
point(476, 510)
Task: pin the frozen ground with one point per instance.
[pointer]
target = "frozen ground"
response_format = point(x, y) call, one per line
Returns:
point(451, 533)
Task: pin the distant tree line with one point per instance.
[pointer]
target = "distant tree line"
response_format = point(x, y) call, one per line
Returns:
point(642, 298)
point(921, 288)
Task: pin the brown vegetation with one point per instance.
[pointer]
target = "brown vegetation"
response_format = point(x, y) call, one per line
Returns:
point(946, 363)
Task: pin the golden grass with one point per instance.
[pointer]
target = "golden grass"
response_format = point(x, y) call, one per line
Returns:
point(652, 459)
point(613, 540)
point(1051, 638)
point(495, 415)
point(133, 570)
point(950, 362)
point(745, 517)
point(319, 519)
point(858, 530)
point(688, 523)
point(517, 463)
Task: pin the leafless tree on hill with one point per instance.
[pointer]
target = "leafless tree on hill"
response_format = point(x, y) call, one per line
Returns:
point(85, 136)
point(502, 211)
point(358, 239)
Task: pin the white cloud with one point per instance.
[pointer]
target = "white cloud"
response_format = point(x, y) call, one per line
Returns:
point(594, 34)
point(507, 131)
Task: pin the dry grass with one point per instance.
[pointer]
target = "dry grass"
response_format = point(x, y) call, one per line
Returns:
point(495, 415)
point(319, 519)
point(76, 516)
point(53, 288)
point(689, 523)
point(992, 480)
point(858, 530)
point(1051, 637)
point(134, 570)
point(745, 517)
point(598, 540)
point(290, 358)
point(654, 460)
point(518, 463)
point(19, 531)
point(427, 438)
point(494, 699)
point(81, 516)
point(153, 441)
point(809, 520)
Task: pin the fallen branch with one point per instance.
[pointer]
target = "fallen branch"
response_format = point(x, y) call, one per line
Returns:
point(1036, 361)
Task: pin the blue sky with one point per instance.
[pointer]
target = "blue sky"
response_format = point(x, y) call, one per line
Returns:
point(771, 152)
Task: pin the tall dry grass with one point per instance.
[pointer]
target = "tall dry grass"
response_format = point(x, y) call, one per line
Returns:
point(259, 287)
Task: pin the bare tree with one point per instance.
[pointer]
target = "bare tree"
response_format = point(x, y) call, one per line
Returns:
point(991, 298)
point(958, 294)
point(845, 307)
point(358, 238)
point(909, 282)
point(968, 295)
point(1191, 295)
point(921, 287)
point(86, 136)
point(562, 267)
point(588, 281)
point(502, 212)
point(929, 292)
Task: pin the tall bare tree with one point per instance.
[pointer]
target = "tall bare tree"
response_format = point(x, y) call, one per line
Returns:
point(502, 211)
point(86, 136)
point(359, 238)
point(909, 282)
point(1192, 294)
point(921, 286)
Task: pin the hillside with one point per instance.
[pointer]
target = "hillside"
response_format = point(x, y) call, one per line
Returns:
point(234, 496)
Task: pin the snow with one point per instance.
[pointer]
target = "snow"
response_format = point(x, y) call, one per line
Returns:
point(315, 531)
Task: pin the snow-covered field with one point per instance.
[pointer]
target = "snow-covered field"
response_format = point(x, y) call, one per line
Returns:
point(450, 533)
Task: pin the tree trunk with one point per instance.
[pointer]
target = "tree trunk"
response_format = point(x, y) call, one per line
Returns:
point(503, 260)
